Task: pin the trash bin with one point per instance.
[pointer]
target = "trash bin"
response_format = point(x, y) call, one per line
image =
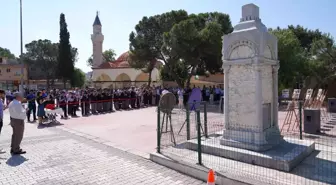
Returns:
point(332, 105)
point(312, 121)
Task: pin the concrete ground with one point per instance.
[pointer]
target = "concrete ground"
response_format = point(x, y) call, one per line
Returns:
point(65, 155)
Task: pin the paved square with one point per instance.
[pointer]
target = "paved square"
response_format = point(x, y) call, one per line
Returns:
point(55, 156)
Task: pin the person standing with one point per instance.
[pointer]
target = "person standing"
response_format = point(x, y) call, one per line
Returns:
point(2, 108)
point(40, 109)
point(31, 105)
point(17, 114)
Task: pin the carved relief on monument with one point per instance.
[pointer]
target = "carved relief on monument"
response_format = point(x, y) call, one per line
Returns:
point(268, 52)
point(241, 50)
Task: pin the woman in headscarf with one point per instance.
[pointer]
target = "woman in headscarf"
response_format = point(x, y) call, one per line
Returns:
point(40, 109)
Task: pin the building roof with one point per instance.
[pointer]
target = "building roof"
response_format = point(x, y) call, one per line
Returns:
point(121, 62)
point(97, 21)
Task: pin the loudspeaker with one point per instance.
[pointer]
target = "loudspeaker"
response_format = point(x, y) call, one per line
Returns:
point(312, 121)
point(332, 105)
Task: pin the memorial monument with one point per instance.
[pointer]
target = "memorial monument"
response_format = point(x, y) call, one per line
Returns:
point(251, 133)
point(250, 65)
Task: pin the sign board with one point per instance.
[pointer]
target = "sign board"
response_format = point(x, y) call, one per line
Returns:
point(296, 93)
point(285, 93)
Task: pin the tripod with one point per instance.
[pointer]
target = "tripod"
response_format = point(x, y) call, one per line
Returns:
point(165, 121)
point(193, 108)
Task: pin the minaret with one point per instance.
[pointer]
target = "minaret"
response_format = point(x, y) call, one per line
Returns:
point(97, 42)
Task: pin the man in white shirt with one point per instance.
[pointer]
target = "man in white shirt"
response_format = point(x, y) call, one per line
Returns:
point(17, 114)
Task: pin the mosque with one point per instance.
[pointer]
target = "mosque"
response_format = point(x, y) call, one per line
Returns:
point(116, 73)
point(119, 73)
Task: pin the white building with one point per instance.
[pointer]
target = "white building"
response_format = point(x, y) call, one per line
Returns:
point(116, 73)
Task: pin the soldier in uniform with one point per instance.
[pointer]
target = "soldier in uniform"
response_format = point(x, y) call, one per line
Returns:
point(104, 99)
point(71, 105)
point(109, 100)
point(85, 106)
point(93, 100)
point(133, 97)
point(99, 101)
point(115, 99)
point(62, 102)
point(31, 105)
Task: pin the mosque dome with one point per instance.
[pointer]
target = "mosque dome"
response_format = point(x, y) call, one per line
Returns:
point(121, 62)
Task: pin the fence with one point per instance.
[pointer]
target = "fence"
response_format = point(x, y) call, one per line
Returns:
point(192, 135)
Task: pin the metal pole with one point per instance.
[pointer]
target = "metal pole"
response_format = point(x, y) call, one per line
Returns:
point(188, 121)
point(21, 47)
point(158, 134)
point(205, 120)
point(199, 135)
point(300, 118)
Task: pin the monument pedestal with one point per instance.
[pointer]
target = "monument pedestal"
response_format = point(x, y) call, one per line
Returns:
point(256, 141)
point(285, 156)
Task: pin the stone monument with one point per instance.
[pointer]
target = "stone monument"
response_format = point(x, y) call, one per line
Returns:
point(251, 132)
point(250, 65)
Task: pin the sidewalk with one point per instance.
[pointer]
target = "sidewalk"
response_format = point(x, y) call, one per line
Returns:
point(55, 156)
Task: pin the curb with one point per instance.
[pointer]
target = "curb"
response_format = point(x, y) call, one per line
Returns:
point(192, 170)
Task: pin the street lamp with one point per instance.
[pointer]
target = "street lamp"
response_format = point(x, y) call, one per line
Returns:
point(21, 47)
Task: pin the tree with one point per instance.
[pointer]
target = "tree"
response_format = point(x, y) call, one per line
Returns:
point(291, 56)
point(66, 63)
point(197, 43)
point(78, 78)
point(108, 56)
point(147, 40)
point(178, 39)
point(4, 52)
point(323, 60)
point(42, 54)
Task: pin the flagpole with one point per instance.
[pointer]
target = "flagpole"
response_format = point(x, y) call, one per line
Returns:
point(21, 47)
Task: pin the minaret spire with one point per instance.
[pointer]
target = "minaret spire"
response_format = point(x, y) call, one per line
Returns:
point(97, 42)
point(97, 20)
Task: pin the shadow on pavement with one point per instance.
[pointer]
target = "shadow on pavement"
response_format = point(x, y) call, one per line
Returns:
point(16, 160)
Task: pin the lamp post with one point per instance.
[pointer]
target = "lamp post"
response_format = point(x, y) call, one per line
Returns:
point(21, 47)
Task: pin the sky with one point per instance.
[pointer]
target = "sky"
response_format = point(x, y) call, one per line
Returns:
point(119, 17)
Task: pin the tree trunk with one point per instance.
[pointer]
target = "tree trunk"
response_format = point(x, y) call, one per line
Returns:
point(149, 78)
point(180, 83)
point(189, 76)
point(48, 82)
point(64, 83)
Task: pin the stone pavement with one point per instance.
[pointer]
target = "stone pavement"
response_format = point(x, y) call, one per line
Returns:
point(133, 131)
point(55, 156)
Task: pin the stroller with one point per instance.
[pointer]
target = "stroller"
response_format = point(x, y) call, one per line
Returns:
point(51, 113)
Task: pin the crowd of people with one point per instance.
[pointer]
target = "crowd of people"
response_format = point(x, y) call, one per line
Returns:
point(88, 101)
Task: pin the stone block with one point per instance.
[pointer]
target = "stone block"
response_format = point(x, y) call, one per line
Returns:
point(312, 121)
point(332, 105)
point(284, 157)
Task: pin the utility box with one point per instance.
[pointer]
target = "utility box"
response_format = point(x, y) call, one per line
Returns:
point(312, 121)
point(332, 105)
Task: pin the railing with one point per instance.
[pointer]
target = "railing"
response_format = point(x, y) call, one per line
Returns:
point(192, 130)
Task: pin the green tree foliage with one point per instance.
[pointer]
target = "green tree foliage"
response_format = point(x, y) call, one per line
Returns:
point(185, 43)
point(78, 78)
point(291, 56)
point(305, 54)
point(147, 41)
point(4, 52)
point(42, 54)
point(66, 62)
point(108, 56)
point(197, 42)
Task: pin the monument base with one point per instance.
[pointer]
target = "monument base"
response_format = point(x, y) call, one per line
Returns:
point(256, 141)
point(284, 156)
